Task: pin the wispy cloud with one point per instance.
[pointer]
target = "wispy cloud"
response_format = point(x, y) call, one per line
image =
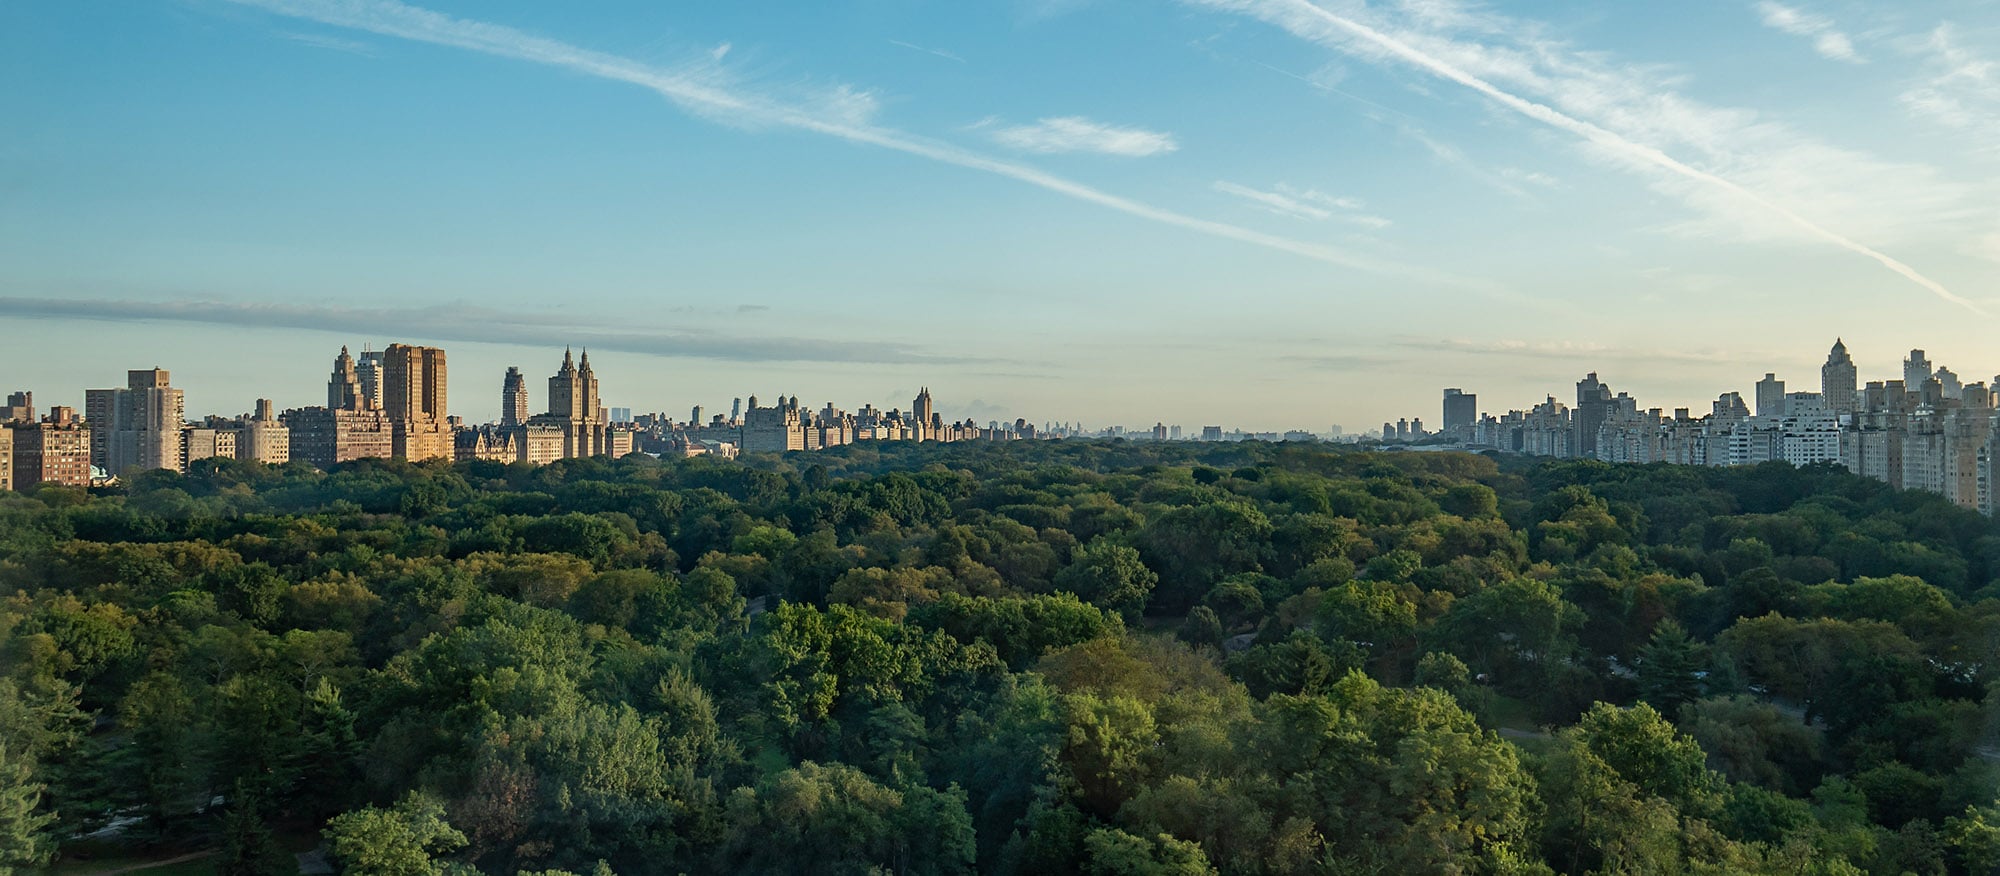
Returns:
point(479, 325)
point(1079, 134)
point(698, 91)
point(337, 44)
point(1627, 116)
point(1567, 349)
point(1826, 39)
point(1960, 89)
point(927, 50)
point(1300, 203)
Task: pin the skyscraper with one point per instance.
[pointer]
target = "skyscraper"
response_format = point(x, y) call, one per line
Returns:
point(921, 415)
point(343, 389)
point(1461, 410)
point(139, 427)
point(514, 399)
point(1838, 381)
point(1916, 370)
point(413, 397)
point(413, 383)
point(574, 408)
point(368, 370)
point(1593, 402)
point(1770, 396)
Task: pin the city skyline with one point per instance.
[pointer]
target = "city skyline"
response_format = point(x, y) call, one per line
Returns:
point(1213, 209)
point(510, 386)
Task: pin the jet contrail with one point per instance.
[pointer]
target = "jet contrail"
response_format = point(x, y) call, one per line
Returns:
point(1584, 129)
point(395, 19)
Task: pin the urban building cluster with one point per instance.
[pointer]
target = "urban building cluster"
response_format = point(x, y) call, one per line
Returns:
point(392, 403)
point(1928, 431)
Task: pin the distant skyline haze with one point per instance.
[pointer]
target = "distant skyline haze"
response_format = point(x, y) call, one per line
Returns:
point(1266, 214)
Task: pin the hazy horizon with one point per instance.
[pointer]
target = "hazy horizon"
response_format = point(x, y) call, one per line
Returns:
point(1257, 213)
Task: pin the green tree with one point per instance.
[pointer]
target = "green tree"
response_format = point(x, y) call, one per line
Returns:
point(24, 828)
point(402, 841)
point(248, 846)
point(843, 822)
point(1109, 575)
point(1670, 667)
point(1114, 852)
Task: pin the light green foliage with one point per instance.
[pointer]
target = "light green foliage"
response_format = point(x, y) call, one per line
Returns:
point(840, 821)
point(403, 841)
point(1117, 853)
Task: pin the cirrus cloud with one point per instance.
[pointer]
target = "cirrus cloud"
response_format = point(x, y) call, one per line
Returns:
point(1079, 134)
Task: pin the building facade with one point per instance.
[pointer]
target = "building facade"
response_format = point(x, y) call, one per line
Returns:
point(55, 450)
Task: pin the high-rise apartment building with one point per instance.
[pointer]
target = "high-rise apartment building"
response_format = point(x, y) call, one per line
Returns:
point(1770, 396)
point(923, 417)
point(260, 437)
point(138, 427)
point(1916, 370)
point(413, 398)
point(1593, 404)
point(343, 389)
point(514, 399)
point(1838, 381)
point(6, 459)
point(1461, 411)
point(368, 372)
point(574, 409)
point(348, 428)
point(413, 383)
point(55, 450)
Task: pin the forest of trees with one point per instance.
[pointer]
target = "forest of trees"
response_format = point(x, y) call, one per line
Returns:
point(1027, 657)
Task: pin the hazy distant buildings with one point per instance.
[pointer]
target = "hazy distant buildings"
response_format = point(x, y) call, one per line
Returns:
point(1770, 396)
point(1916, 370)
point(1593, 400)
point(1461, 411)
point(20, 407)
point(1837, 380)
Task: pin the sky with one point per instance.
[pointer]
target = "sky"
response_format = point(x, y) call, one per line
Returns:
point(1263, 214)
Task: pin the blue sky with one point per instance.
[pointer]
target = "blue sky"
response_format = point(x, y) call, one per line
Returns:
point(1262, 213)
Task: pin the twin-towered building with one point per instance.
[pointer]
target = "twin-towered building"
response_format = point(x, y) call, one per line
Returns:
point(575, 426)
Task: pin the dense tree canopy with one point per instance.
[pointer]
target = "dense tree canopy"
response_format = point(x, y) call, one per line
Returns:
point(1035, 657)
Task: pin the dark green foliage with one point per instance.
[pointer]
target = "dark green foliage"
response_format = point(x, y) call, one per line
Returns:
point(1025, 657)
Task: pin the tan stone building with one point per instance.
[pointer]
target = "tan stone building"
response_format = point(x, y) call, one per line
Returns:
point(6, 459)
point(262, 438)
point(326, 437)
point(138, 427)
point(207, 442)
point(413, 397)
point(574, 412)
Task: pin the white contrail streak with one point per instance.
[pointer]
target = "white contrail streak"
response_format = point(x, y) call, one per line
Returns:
point(395, 19)
point(1581, 128)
